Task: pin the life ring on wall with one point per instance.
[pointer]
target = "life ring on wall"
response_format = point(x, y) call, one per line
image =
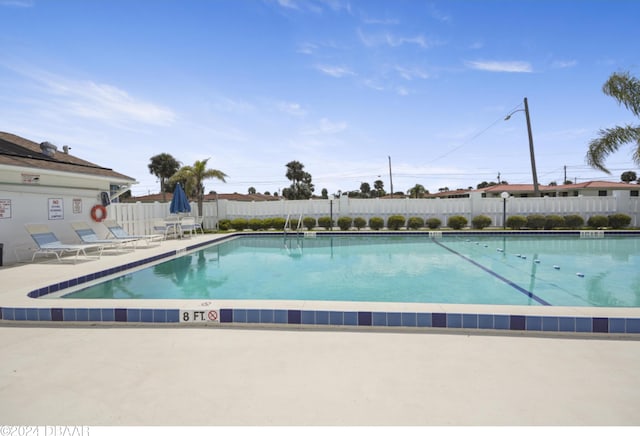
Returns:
point(98, 213)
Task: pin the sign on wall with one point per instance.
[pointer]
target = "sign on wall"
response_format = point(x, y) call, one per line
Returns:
point(56, 209)
point(77, 205)
point(5, 209)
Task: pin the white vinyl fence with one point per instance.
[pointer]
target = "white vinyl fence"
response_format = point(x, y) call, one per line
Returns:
point(138, 218)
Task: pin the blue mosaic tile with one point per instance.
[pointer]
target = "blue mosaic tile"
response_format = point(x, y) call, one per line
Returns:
point(423, 320)
point(534, 323)
point(336, 318)
point(144, 315)
point(439, 319)
point(32, 314)
point(617, 325)
point(160, 315)
point(69, 314)
point(240, 315)
point(351, 318)
point(226, 315)
point(293, 317)
point(550, 323)
point(454, 320)
point(364, 318)
point(57, 314)
point(120, 315)
point(173, 315)
point(409, 320)
point(600, 325)
point(394, 319)
point(633, 325)
point(567, 324)
point(584, 325)
point(280, 316)
point(44, 314)
point(501, 322)
point(95, 315)
point(379, 319)
point(322, 317)
point(53, 288)
point(108, 315)
point(7, 313)
point(517, 322)
point(133, 315)
point(308, 317)
point(82, 314)
point(20, 314)
point(266, 316)
point(469, 321)
point(485, 321)
point(253, 316)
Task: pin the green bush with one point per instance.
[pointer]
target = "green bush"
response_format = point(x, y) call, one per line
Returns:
point(553, 222)
point(278, 223)
point(376, 223)
point(224, 224)
point(344, 222)
point(239, 224)
point(309, 222)
point(516, 222)
point(433, 223)
point(536, 222)
point(255, 224)
point(480, 222)
point(293, 223)
point(359, 222)
point(457, 222)
point(573, 221)
point(326, 222)
point(598, 221)
point(394, 222)
point(415, 222)
point(619, 220)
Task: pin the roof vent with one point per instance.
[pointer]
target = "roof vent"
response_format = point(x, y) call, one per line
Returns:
point(48, 149)
point(65, 149)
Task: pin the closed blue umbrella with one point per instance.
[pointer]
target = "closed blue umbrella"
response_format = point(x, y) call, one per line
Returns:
point(179, 202)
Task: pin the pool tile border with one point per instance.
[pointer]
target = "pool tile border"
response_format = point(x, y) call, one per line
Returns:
point(299, 318)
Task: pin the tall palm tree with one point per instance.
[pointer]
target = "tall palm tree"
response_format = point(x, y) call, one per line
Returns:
point(626, 90)
point(163, 166)
point(193, 178)
point(417, 191)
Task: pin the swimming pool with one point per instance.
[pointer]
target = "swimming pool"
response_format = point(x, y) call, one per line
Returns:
point(494, 269)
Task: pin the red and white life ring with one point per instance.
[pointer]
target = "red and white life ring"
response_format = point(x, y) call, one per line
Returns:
point(98, 213)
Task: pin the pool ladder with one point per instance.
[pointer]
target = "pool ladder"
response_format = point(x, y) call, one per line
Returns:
point(298, 228)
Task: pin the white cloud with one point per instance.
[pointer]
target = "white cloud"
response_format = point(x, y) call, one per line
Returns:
point(411, 73)
point(326, 127)
point(291, 108)
point(335, 71)
point(564, 64)
point(501, 66)
point(387, 38)
point(17, 3)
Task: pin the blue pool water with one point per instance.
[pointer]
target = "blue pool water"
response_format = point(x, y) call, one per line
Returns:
point(512, 270)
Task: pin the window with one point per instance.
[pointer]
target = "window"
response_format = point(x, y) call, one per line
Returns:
point(602, 193)
point(634, 193)
point(564, 194)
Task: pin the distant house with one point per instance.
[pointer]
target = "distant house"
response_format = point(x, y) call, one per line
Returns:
point(594, 189)
point(152, 198)
point(41, 184)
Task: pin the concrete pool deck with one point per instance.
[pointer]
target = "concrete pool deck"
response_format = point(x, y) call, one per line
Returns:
point(57, 373)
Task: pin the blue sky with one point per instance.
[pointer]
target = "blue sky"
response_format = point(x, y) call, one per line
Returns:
point(339, 85)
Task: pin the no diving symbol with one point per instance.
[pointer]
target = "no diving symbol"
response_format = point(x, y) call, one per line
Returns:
point(212, 315)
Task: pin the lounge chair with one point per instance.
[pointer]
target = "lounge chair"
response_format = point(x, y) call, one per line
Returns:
point(89, 236)
point(166, 228)
point(48, 243)
point(188, 225)
point(119, 233)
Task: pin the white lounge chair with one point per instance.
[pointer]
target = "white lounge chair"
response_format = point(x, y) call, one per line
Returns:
point(118, 232)
point(48, 243)
point(89, 236)
point(188, 225)
point(167, 227)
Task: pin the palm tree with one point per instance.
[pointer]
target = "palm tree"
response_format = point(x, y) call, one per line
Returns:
point(417, 191)
point(626, 90)
point(163, 166)
point(193, 178)
point(301, 188)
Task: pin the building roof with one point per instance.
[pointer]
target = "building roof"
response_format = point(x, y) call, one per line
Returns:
point(208, 197)
point(592, 185)
point(18, 151)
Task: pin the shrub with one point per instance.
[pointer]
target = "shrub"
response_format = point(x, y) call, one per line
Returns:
point(326, 222)
point(255, 224)
point(376, 223)
point(359, 222)
point(619, 220)
point(267, 223)
point(457, 222)
point(573, 221)
point(516, 222)
point(309, 222)
point(415, 222)
point(553, 222)
point(433, 223)
point(394, 222)
point(224, 224)
point(278, 223)
point(293, 223)
point(239, 223)
point(598, 221)
point(344, 222)
point(480, 222)
point(536, 221)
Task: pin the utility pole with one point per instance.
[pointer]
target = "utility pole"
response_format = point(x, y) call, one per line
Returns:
point(565, 175)
point(498, 178)
point(536, 190)
point(390, 177)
